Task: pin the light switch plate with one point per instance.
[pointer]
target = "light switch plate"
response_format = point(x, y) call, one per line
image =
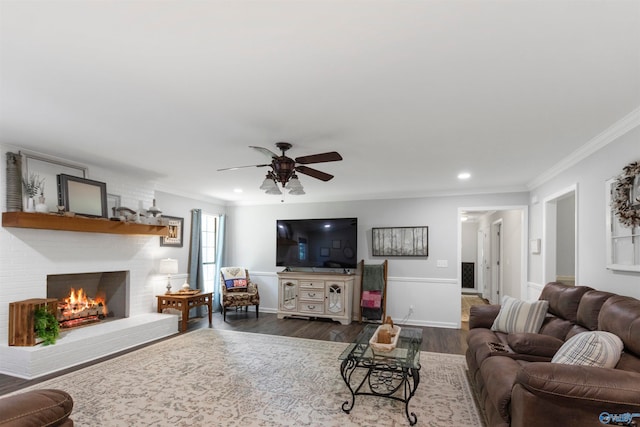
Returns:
point(442, 263)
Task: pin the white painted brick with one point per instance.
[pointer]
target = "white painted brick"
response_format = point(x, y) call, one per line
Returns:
point(28, 256)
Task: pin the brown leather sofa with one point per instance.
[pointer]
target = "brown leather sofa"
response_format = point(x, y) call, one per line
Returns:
point(517, 384)
point(36, 408)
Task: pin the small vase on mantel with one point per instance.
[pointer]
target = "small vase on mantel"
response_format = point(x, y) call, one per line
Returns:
point(41, 205)
point(31, 205)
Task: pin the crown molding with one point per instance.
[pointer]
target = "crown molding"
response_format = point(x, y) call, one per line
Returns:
point(621, 127)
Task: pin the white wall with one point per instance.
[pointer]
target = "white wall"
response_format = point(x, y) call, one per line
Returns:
point(590, 175)
point(434, 291)
point(469, 242)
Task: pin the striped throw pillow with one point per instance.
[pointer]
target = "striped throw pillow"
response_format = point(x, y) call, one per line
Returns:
point(517, 316)
point(597, 348)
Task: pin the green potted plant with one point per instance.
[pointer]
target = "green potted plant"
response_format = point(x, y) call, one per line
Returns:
point(46, 326)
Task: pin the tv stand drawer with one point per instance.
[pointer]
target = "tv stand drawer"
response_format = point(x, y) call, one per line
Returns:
point(315, 284)
point(311, 307)
point(312, 294)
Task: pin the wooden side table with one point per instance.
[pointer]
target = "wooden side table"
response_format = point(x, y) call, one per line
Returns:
point(184, 303)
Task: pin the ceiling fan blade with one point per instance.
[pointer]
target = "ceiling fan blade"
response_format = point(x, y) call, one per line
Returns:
point(265, 151)
point(241, 167)
point(331, 156)
point(323, 176)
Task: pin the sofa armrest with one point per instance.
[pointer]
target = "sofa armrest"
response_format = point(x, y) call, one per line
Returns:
point(482, 316)
point(590, 385)
point(47, 407)
point(534, 344)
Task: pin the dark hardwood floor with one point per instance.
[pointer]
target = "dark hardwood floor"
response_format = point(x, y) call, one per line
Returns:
point(437, 340)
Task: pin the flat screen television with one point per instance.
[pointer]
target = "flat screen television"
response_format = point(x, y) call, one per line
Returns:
point(317, 243)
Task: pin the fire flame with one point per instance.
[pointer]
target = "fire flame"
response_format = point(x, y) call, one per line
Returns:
point(78, 301)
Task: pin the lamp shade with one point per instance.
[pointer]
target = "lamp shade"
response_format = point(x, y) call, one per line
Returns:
point(297, 191)
point(168, 266)
point(294, 183)
point(267, 184)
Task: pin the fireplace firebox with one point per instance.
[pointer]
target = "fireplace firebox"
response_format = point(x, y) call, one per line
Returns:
point(86, 298)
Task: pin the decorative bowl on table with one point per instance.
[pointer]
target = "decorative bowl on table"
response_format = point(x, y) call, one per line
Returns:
point(378, 341)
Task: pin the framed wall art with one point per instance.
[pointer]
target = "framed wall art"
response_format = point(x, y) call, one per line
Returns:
point(400, 241)
point(82, 196)
point(48, 169)
point(174, 237)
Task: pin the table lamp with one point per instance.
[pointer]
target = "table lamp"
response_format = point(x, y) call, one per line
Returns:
point(168, 266)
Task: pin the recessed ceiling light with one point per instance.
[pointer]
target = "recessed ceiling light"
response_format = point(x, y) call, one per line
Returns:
point(237, 190)
point(464, 175)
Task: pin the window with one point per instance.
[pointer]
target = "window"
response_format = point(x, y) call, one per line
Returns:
point(209, 239)
point(623, 242)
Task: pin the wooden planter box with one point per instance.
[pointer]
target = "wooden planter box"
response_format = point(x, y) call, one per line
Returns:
point(21, 323)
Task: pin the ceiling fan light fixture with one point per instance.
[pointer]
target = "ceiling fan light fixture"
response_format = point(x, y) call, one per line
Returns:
point(284, 169)
point(268, 182)
point(275, 190)
point(297, 191)
point(294, 183)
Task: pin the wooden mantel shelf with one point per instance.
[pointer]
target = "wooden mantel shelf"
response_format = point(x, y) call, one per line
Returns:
point(89, 225)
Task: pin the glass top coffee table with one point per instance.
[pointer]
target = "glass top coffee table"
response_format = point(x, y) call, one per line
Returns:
point(394, 374)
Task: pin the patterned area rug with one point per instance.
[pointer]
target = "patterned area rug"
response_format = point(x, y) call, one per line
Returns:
point(211, 377)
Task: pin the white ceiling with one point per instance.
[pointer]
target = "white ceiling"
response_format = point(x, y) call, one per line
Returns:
point(409, 92)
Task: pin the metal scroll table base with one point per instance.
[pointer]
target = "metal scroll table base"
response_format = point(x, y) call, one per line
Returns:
point(382, 378)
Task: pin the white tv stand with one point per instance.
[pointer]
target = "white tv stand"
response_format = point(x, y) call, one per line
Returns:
point(310, 294)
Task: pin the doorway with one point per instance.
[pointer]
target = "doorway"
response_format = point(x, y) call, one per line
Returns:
point(498, 236)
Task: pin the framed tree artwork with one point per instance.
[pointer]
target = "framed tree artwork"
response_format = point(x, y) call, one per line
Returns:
point(400, 241)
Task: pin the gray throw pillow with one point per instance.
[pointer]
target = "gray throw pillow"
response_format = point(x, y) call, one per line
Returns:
point(520, 316)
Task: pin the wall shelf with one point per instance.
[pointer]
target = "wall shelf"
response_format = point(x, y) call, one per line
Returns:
point(88, 225)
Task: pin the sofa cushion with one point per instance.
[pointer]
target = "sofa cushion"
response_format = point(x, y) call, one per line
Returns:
point(520, 316)
point(589, 308)
point(563, 300)
point(621, 316)
point(595, 348)
point(534, 344)
point(555, 327)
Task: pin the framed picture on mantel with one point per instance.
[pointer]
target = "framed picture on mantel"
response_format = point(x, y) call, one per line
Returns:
point(174, 238)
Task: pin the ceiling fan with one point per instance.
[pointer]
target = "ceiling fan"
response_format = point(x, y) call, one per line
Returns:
point(284, 168)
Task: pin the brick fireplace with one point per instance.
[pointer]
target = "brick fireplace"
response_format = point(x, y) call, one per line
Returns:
point(117, 331)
